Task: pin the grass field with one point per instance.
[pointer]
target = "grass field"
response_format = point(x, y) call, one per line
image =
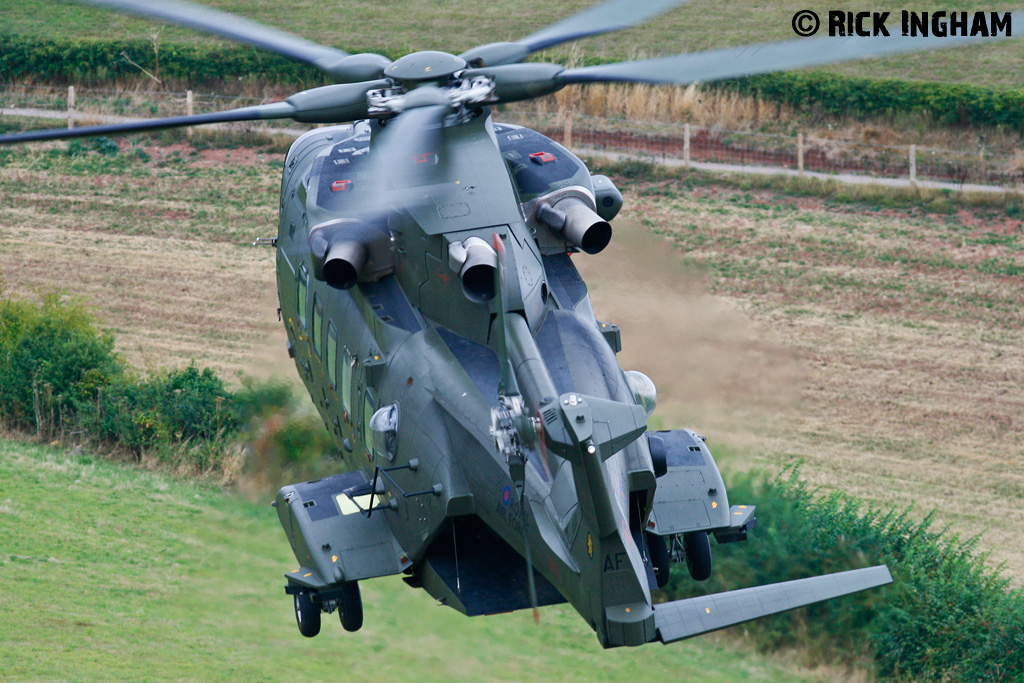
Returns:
point(457, 25)
point(161, 248)
point(879, 341)
point(882, 344)
point(113, 573)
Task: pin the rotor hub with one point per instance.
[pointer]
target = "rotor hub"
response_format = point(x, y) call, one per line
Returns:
point(428, 65)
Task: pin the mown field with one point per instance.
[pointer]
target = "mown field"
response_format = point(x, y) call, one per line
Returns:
point(879, 341)
point(113, 573)
point(457, 25)
point(882, 345)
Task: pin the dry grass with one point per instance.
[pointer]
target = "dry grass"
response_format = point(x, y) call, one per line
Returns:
point(641, 107)
point(161, 253)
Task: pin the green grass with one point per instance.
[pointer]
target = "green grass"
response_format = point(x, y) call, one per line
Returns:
point(457, 25)
point(109, 572)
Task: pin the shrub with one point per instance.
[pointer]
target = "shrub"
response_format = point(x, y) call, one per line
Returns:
point(52, 360)
point(286, 440)
point(173, 407)
point(946, 103)
point(96, 61)
point(947, 616)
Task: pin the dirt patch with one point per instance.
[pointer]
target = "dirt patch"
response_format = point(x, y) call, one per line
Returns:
point(717, 370)
point(905, 328)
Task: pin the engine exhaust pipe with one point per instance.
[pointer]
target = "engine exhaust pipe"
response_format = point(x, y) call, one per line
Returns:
point(476, 262)
point(340, 250)
point(344, 261)
point(577, 223)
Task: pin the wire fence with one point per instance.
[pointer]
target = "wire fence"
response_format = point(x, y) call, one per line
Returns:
point(675, 143)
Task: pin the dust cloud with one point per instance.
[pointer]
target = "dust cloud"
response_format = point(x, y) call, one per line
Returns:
point(717, 371)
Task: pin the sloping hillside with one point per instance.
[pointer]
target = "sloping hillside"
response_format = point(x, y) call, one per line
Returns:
point(112, 573)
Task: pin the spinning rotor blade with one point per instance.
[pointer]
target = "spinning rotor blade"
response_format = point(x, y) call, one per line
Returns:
point(514, 82)
point(763, 58)
point(328, 104)
point(410, 145)
point(338, 63)
point(264, 111)
point(405, 152)
point(613, 15)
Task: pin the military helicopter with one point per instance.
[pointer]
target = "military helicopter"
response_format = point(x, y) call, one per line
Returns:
point(498, 454)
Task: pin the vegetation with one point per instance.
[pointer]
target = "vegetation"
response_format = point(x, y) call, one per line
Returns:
point(115, 573)
point(947, 617)
point(949, 104)
point(61, 379)
point(90, 62)
point(217, 66)
point(902, 309)
point(458, 25)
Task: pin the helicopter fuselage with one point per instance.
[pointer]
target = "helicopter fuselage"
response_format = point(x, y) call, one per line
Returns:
point(406, 337)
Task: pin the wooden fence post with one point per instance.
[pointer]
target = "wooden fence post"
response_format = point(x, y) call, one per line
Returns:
point(913, 163)
point(71, 106)
point(567, 129)
point(686, 145)
point(800, 154)
point(188, 111)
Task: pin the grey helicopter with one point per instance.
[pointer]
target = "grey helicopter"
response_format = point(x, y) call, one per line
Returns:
point(498, 456)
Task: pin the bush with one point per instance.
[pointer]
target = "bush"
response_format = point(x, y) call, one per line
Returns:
point(52, 360)
point(174, 407)
point(60, 375)
point(97, 61)
point(947, 616)
point(286, 440)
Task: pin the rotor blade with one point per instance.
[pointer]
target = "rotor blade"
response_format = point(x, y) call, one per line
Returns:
point(508, 384)
point(410, 146)
point(764, 58)
point(278, 110)
point(337, 63)
point(531, 584)
point(687, 618)
point(613, 15)
point(327, 104)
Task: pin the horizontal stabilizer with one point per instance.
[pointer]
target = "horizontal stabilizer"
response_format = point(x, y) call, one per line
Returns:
point(687, 618)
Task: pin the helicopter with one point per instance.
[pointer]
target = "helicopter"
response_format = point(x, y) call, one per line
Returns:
point(498, 455)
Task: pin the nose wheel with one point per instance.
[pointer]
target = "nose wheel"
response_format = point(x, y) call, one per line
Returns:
point(311, 603)
point(351, 603)
point(697, 545)
point(307, 615)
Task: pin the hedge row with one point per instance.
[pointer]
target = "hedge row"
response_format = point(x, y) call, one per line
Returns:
point(947, 617)
point(95, 62)
point(92, 62)
point(835, 94)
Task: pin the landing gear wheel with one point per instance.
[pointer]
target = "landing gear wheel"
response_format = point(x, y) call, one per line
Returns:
point(351, 607)
point(657, 549)
point(698, 554)
point(307, 615)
